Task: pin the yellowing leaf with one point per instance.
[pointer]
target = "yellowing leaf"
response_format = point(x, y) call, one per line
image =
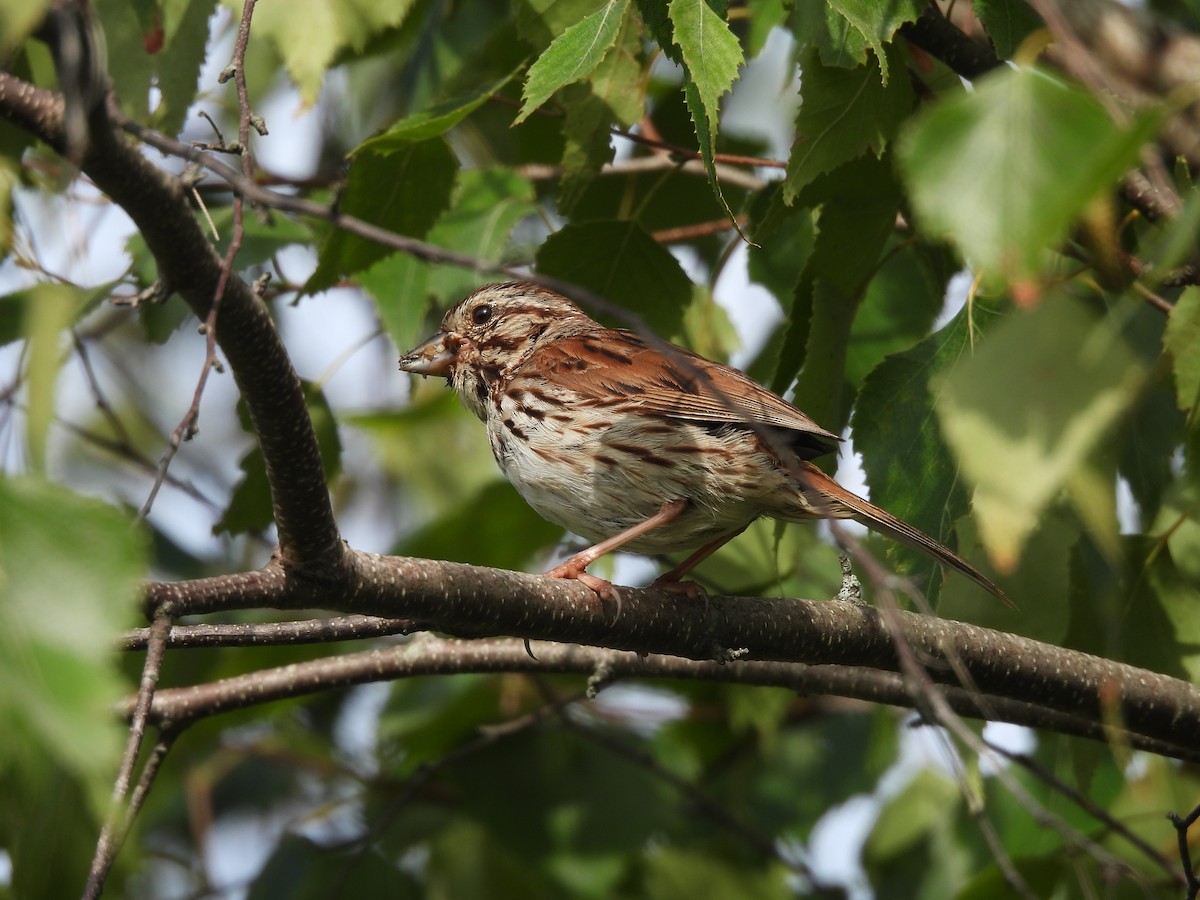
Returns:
point(1026, 412)
point(308, 34)
point(1004, 170)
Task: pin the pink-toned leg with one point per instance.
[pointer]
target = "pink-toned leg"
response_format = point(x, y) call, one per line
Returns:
point(575, 565)
point(673, 580)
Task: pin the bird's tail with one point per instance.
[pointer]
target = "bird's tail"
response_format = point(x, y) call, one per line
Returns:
point(825, 498)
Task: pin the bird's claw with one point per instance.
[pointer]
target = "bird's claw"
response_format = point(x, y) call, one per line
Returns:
point(605, 590)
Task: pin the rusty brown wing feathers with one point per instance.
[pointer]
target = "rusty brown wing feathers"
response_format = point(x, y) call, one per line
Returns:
point(676, 383)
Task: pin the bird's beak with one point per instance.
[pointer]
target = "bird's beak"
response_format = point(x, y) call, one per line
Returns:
point(434, 356)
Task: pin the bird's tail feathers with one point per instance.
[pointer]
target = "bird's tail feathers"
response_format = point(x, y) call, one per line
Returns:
point(841, 503)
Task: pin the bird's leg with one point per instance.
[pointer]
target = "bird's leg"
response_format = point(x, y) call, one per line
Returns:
point(575, 565)
point(673, 580)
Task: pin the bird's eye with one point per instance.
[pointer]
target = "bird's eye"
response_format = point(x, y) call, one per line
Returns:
point(481, 314)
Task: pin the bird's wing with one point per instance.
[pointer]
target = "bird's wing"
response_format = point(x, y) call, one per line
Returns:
point(671, 382)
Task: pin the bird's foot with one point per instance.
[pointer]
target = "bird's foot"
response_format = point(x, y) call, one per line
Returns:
point(605, 590)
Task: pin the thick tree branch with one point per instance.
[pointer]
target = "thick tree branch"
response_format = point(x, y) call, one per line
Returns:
point(189, 264)
point(475, 602)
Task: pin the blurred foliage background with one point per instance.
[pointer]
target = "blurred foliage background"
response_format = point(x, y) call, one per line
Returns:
point(961, 275)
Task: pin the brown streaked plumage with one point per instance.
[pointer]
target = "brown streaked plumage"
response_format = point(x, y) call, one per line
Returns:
point(632, 446)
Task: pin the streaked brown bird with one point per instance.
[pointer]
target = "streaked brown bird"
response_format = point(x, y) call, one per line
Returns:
point(632, 445)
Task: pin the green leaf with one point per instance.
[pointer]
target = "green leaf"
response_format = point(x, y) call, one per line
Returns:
point(843, 114)
point(710, 51)
point(262, 237)
point(403, 191)
point(9, 177)
point(1005, 170)
point(1182, 340)
point(18, 18)
point(909, 468)
point(621, 262)
point(844, 30)
point(495, 528)
point(1074, 377)
point(487, 205)
point(431, 122)
point(858, 214)
point(164, 50)
point(613, 93)
point(711, 56)
point(302, 869)
point(69, 574)
point(705, 141)
point(436, 437)
point(177, 74)
point(784, 239)
point(399, 285)
point(675, 872)
point(51, 309)
point(765, 15)
point(899, 307)
point(1007, 23)
point(249, 508)
point(587, 146)
point(572, 55)
point(308, 34)
point(1160, 628)
point(913, 849)
point(540, 21)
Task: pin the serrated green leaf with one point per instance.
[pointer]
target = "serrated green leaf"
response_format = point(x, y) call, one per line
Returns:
point(572, 55)
point(909, 468)
point(185, 31)
point(705, 141)
point(432, 122)
point(403, 191)
point(613, 94)
point(1160, 627)
point(899, 307)
point(620, 261)
point(164, 50)
point(1075, 378)
point(851, 27)
point(1004, 170)
point(587, 147)
point(858, 213)
point(1182, 339)
point(486, 207)
point(81, 559)
point(710, 51)
point(843, 114)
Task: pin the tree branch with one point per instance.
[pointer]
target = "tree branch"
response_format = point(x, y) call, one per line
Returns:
point(469, 601)
point(157, 203)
